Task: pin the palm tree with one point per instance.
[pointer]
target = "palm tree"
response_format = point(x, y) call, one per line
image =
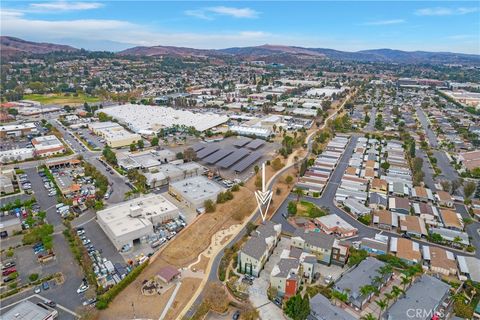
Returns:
point(396, 291)
point(368, 316)
point(385, 270)
point(382, 304)
point(299, 192)
point(405, 280)
point(389, 297)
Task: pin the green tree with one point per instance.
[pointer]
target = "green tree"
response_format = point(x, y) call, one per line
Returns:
point(140, 144)
point(289, 180)
point(299, 193)
point(297, 307)
point(382, 304)
point(133, 147)
point(469, 188)
point(154, 142)
point(292, 208)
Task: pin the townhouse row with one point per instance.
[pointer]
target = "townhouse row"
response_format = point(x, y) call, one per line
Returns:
point(316, 177)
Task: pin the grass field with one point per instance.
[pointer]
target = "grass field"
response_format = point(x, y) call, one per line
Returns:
point(60, 99)
point(309, 209)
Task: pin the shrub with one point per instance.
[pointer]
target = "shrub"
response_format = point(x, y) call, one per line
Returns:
point(33, 277)
point(10, 253)
point(209, 206)
point(235, 188)
point(316, 194)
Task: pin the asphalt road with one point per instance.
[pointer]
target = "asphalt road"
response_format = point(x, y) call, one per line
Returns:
point(432, 138)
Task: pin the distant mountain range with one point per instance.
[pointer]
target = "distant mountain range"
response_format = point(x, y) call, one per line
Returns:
point(11, 46)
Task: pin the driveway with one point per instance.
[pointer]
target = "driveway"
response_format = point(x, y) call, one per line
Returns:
point(258, 291)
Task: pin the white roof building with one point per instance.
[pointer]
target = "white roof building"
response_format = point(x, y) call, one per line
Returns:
point(153, 118)
point(133, 220)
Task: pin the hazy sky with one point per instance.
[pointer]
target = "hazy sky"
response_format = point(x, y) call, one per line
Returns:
point(113, 25)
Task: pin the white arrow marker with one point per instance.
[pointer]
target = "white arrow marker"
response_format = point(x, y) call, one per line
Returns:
point(263, 197)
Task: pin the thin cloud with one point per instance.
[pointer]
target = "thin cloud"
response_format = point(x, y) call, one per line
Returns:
point(384, 22)
point(442, 11)
point(210, 12)
point(234, 12)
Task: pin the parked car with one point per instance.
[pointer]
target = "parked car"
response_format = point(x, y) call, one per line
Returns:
point(37, 289)
point(50, 303)
point(236, 315)
point(9, 271)
point(89, 301)
point(45, 286)
point(84, 287)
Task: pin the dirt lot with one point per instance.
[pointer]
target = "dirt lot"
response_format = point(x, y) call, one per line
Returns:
point(188, 245)
point(202, 264)
point(188, 288)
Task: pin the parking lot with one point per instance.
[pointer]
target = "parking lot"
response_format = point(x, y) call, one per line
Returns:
point(64, 262)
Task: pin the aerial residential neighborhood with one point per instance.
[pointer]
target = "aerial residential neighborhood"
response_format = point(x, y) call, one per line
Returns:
point(240, 160)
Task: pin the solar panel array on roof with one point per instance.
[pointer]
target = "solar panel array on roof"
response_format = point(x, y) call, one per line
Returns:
point(220, 154)
point(234, 157)
point(208, 150)
point(255, 144)
point(240, 142)
point(198, 146)
point(245, 163)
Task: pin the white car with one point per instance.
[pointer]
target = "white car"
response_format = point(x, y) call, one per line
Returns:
point(82, 288)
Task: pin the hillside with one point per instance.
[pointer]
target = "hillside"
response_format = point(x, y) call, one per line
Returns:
point(10, 46)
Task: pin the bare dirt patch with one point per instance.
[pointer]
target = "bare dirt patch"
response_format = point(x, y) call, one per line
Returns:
point(186, 291)
point(202, 264)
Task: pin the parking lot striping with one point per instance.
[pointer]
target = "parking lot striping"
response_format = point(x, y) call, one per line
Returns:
point(170, 301)
point(44, 299)
point(85, 222)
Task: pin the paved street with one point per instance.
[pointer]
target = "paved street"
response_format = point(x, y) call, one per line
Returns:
point(432, 138)
point(427, 169)
point(448, 172)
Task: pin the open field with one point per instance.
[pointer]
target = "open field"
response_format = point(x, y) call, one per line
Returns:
point(202, 264)
point(60, 99)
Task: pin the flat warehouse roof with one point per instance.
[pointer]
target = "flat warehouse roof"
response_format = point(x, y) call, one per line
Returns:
point(153, 118)
point(218, 155)
point(234, 157)
point(245, 163)
point(196, 188)
point(133, 215)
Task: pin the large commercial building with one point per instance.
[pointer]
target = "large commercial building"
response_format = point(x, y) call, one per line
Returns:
point(46, 146)
point(17, 130)
point(114, 134)
point(150, 119)
point(195, 191)
point(133, 221)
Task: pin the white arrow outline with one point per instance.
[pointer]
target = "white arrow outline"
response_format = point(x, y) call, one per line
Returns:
point(263, 197)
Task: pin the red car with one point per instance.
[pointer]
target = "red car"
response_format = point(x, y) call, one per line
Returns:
point(9, 271)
